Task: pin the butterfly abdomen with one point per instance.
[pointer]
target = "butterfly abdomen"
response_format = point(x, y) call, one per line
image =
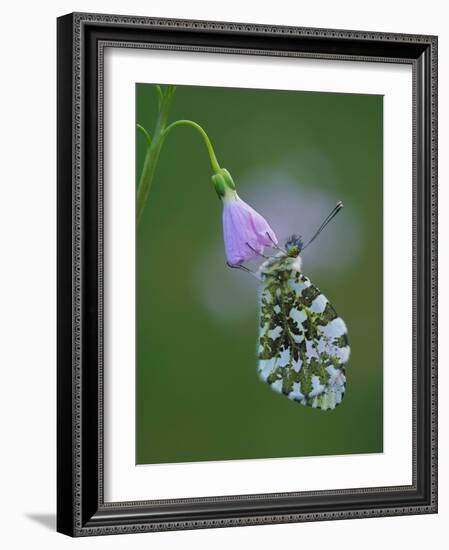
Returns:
point(303, 343)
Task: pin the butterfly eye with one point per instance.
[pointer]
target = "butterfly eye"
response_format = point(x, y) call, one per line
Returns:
point(294, 245)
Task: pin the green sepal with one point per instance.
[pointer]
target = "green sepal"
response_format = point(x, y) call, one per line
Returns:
point(222, 181)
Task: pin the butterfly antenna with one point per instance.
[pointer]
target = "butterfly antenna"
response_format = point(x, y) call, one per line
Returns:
point(331, 215)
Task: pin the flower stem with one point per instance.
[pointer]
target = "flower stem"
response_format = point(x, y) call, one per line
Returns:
point(154, 145)
point(160, 95)
point(153, 149)
point(145, 134)
point(210, 149)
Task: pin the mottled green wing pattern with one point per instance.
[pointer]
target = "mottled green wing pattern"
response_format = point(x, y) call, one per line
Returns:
point(303, 344)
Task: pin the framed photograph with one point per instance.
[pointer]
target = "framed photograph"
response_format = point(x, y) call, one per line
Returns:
point(224, 189)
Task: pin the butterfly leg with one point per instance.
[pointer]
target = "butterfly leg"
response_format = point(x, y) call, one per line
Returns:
point(243, 268)
point(276, 246)
point(258, 253)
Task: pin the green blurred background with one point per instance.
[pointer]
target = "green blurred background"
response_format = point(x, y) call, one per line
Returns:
point(292, 155)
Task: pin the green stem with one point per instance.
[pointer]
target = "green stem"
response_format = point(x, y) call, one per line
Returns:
point(154, 145)
point(160, 95)
point(146, 135)
point(153, 151)
point(210, 149)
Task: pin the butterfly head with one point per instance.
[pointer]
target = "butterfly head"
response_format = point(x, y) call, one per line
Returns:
point(293, 246)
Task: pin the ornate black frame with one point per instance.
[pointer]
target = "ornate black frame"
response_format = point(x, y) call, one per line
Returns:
point(81, 509)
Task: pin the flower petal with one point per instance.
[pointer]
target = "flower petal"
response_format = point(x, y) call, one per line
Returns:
point(246, 232)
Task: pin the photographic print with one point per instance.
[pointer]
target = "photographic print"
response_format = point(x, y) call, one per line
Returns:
point(247, 274)
point(259, 273)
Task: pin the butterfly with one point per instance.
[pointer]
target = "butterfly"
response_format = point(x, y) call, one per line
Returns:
point(303, 344)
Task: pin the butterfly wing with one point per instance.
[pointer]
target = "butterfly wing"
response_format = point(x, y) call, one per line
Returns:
point(303, 344)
